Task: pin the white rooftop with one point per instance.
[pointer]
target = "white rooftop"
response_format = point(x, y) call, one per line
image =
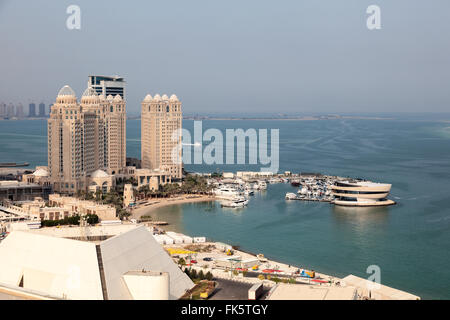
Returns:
point(70, 268)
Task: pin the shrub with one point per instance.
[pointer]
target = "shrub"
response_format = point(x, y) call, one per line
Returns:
point(92, 219)
point(193, 274)
point(235, 272)
point(201, 275)
point(187, 272)
point(276, 279)
point(261, 277)
point(244, 273)
point(292, 280)
point(181, 262)
point(209, 276)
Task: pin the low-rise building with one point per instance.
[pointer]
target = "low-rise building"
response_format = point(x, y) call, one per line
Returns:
point(21, 191)
point(128, 266)
point(82, 207)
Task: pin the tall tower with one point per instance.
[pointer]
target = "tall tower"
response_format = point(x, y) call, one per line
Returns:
point(84, 137)
point(115, 126)
point(41, 110)
point(10, 111)
point(2, 110)
point(161, 123)
point(32, 110)
point(19, 111)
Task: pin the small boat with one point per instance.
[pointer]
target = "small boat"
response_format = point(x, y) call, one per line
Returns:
point(295, 183)
point(291, 196)
point(249, 192)
point(13, 164)
point(262, 185)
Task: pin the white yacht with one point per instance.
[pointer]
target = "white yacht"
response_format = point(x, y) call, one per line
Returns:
point(226, 193)
point(262, 185)
point(237, 202)
point(291, 196)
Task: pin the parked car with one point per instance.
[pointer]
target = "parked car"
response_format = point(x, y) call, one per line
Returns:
point(207, 259)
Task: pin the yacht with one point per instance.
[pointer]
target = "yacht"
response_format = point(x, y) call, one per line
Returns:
point(291, 196)
point(262, 185)
point(226, 193)
point(303, 190)
point(237, 202)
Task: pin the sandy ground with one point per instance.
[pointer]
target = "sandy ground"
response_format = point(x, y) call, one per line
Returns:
point(216, 254)
point(153, 204)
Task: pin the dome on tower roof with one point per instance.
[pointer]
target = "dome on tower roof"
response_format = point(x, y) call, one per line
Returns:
point(117, 98)
point(148, 98)
point(173, 98)
point(90, 92)
point(66, 91)
point(157, 97)
point(109, 97)
point(165, 97)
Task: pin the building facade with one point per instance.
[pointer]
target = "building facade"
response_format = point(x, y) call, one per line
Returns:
point(19, 111)
point(10, 111)
point(85, 137)
point(161, 123)
point(32, 110)
point(106, 86)
point(41, 110)
point(2, 110)
point(361, 193)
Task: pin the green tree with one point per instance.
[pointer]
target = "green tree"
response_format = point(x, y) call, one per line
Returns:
point(181, 262)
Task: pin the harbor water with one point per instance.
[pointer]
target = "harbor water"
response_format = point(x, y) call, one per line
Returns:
point(409, 241)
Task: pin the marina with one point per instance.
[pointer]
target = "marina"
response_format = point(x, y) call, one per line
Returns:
point(401, 239)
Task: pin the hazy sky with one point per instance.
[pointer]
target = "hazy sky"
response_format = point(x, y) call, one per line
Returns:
point(230, 56)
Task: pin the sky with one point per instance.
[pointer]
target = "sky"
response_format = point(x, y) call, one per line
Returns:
point(252, 56)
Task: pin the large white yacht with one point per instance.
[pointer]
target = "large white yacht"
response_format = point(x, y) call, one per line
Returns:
point(226, 193)
point(237, 202)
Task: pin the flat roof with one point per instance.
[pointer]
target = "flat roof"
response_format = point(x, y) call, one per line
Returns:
point(308, 292)
point(381, 293)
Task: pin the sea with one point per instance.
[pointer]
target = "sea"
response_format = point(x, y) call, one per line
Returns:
point(409, 242)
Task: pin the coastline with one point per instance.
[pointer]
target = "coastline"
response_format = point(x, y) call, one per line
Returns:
point(152, 204)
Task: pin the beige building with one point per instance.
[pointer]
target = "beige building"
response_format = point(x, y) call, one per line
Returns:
point(84, 137)
point(161, 123)
point(128, 195)
point(82, 207)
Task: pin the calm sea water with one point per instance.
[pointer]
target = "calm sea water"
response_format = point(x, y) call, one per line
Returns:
point(409, 242)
